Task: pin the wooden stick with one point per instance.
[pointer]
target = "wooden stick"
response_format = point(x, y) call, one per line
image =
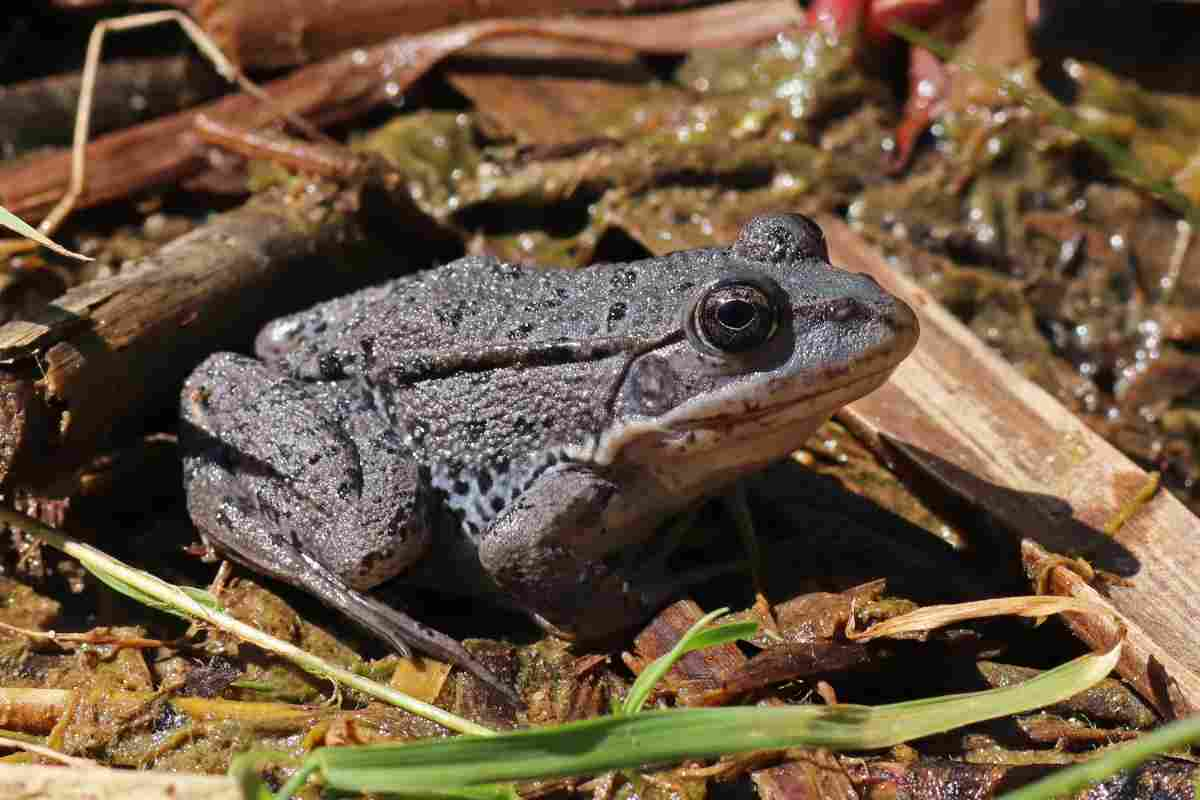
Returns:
point(40, 112)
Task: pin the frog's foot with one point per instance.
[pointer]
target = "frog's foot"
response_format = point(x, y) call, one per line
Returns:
point(277, 482)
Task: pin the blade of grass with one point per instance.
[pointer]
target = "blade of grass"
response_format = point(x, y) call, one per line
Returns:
point(157, 593)
point(17, 225)
point(695, 638)
point(627, 741)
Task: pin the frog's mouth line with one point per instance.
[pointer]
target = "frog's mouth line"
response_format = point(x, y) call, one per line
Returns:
point(872, 379)
point(693, 434)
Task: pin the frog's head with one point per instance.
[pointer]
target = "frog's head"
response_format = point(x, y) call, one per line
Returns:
point(774, 340)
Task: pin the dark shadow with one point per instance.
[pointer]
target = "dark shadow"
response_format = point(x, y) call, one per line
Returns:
point(1154, 43)
point(1001, 513)
point(815, 530)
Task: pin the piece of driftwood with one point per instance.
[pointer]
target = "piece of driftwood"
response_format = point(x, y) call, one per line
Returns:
point(1109, 702)
point(550, 92)
point(33, 782)
point(109, 351)
point(335, 90)
point(959, 416)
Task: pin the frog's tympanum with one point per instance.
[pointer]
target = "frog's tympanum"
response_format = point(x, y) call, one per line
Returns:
point(524, 432)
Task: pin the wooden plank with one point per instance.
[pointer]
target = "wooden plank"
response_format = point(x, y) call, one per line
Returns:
point(961, 416)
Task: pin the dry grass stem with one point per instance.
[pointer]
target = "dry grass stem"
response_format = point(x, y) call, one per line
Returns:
point(933, 617)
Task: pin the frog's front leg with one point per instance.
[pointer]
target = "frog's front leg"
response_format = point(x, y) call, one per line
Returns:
point(278, 478)
point(543, 552)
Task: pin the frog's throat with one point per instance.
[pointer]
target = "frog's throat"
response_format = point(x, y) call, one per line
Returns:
point(763, 434)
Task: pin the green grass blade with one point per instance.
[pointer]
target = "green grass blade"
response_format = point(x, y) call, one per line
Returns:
point(491, 791)
point(120, 586)
point(696, 638)
point(616, 742)
point(1065, 782)
point(17, 225)
point(202, 596)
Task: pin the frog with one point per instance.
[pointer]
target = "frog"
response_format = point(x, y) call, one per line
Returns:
point(523, 433)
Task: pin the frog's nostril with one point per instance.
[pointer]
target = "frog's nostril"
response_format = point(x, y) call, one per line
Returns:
point(846, 309)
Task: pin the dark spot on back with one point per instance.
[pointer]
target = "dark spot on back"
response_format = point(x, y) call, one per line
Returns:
point(521, 331)
point(616, 313)
point(506, 270)
point(330, 367)
point(624, 279)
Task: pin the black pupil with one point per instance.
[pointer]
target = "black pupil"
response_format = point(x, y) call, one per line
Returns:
point(735, 318)
point(736, 313)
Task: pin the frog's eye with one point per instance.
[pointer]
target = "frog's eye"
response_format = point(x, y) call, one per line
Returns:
point(735, 315)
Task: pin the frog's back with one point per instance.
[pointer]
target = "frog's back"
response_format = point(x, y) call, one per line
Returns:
point(480, 303)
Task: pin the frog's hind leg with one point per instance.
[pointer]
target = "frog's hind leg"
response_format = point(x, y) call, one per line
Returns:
point(275, 479)
point(292, 563)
